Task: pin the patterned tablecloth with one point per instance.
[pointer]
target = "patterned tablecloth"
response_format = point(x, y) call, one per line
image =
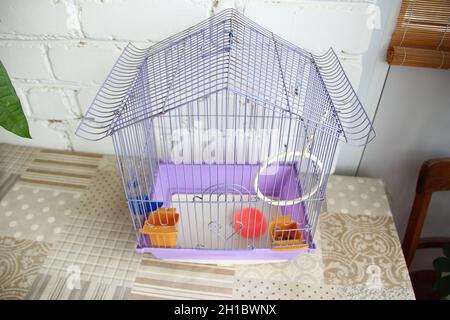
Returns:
point(65, 233)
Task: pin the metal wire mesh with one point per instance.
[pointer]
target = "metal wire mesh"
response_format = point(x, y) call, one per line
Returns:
point(232, 127)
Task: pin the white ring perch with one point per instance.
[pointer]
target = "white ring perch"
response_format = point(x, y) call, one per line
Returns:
point(285, 155)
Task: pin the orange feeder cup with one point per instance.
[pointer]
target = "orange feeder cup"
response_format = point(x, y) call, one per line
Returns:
point(285, 234)
point(161, 228)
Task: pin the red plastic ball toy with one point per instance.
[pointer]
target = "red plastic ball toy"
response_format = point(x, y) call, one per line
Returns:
point(249, 222)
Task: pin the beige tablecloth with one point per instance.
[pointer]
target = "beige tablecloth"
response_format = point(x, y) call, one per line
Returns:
point(65, 233)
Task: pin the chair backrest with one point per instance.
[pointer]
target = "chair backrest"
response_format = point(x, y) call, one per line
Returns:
point(434, 176)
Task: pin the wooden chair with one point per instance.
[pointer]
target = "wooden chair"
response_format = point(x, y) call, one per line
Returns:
point(434, 176)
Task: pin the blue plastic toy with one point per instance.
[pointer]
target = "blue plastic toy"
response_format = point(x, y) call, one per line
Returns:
point(142, 205)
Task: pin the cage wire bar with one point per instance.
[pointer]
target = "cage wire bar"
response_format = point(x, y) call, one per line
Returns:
point(221, 119)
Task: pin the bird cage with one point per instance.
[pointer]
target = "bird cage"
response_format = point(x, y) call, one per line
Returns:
point(225, 135)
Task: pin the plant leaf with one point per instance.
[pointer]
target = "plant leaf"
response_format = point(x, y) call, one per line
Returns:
point(446, 249)
point(442, 287)
point(442, 264)
point(12, 117)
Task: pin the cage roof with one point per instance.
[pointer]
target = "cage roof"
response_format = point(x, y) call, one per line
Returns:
point(227, 52)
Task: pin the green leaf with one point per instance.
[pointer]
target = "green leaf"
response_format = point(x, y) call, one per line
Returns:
point(442, 287)
point(446, 249)
point(442, 264)
point(12, 117)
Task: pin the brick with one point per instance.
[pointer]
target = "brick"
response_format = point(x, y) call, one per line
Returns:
point(36, 17)
point(24, 62)
point(85, 97)
point(84, 63)
point(47, 103)
point(141, 19)
point(42, 136)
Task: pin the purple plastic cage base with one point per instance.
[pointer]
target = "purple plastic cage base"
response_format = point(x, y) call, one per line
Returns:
point(203, 178)
point(224, 255)
point(199, 178)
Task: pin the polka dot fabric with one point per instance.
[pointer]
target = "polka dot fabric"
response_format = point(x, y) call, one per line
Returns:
point(105, 197)
point(352, 195)
point(252, 289)
point(34, 213)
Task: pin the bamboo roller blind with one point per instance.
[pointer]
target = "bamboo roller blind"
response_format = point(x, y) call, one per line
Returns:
point(422, 35)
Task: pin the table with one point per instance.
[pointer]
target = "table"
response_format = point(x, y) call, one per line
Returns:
point(64, 220)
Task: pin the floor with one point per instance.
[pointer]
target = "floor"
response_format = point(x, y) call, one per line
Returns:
point(65, 233)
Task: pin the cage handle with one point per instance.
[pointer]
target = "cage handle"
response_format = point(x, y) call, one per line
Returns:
point(298, 154)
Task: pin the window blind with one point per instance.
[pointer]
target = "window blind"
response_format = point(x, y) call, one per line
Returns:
point(422, 35)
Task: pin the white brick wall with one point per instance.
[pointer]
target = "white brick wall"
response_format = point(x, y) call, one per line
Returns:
point(141, 19)
point(37, 17)
point(92, 62)
point(84, 97)
point(58, 52)
point(47, 103)
point(32, 61)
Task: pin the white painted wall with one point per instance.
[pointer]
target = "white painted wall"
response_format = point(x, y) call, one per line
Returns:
point(413, 125)
point(59, 52)
point(374, 70)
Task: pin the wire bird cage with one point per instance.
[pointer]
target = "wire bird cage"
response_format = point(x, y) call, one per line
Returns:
point(225, 135)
